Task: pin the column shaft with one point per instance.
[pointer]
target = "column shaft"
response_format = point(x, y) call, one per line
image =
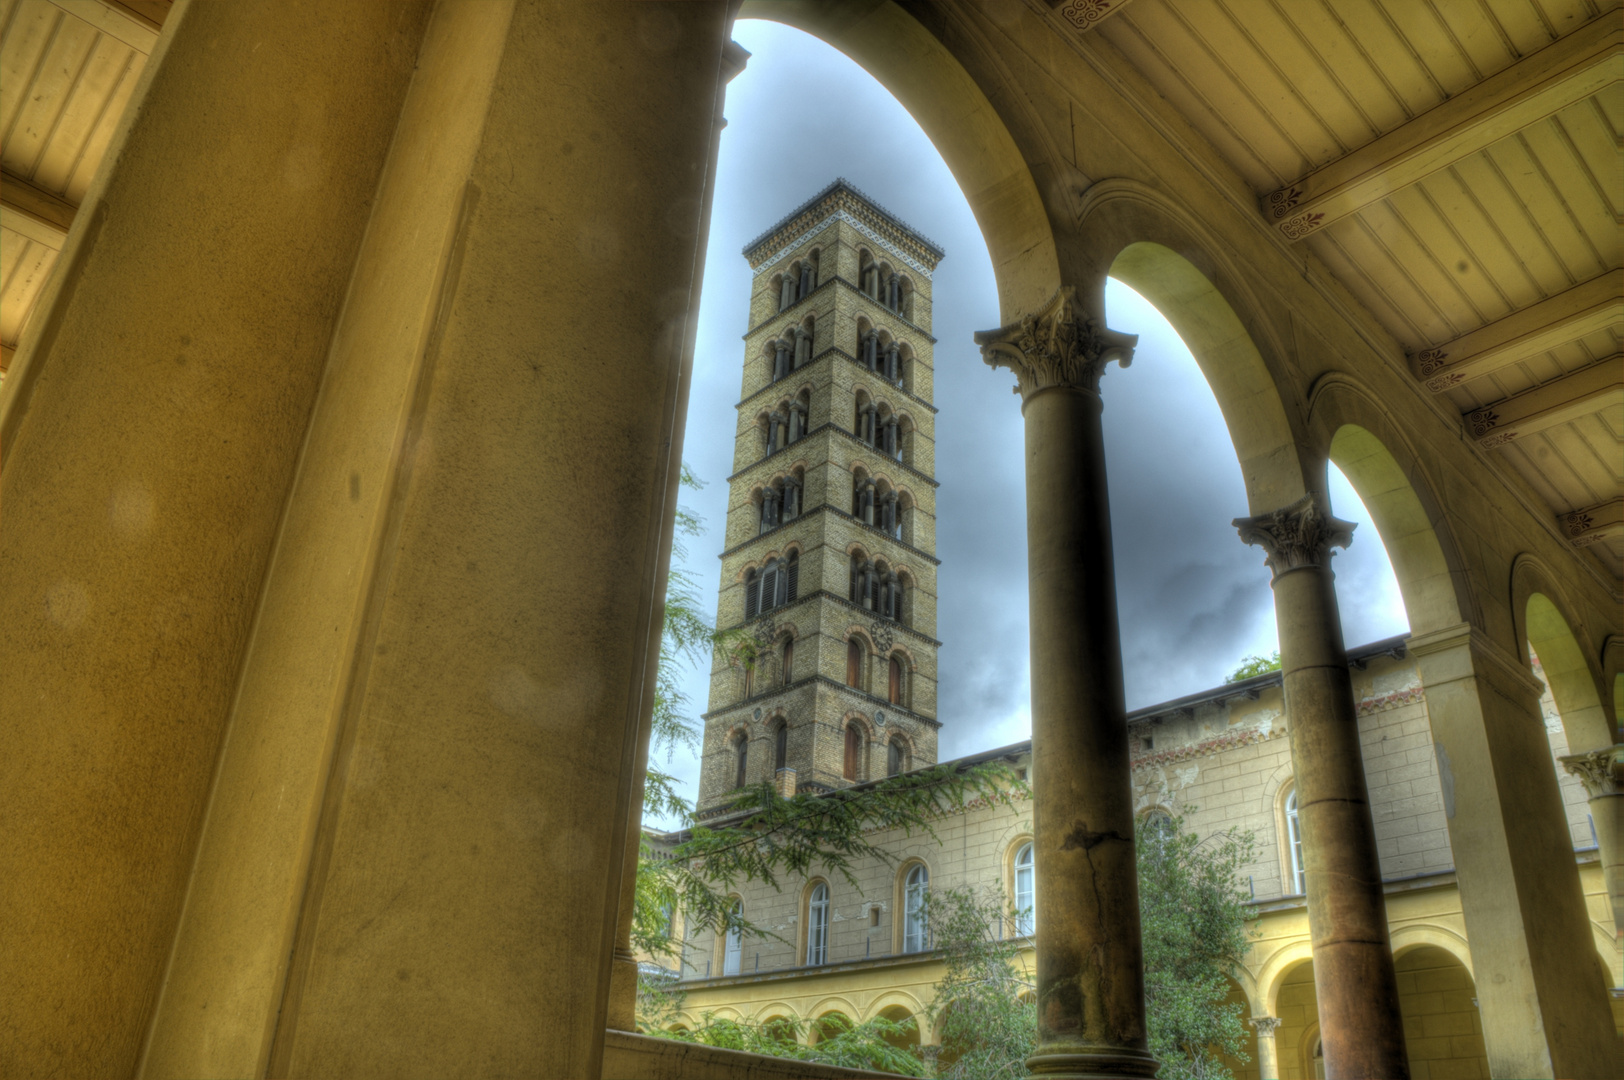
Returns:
point(1354, 981)
point(1090, 966)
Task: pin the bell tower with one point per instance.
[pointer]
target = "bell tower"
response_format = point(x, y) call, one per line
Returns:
point(830, 560)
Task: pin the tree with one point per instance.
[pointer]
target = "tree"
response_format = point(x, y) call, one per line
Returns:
point(1254, 665)
point(1193, 918)
point(984, 1006)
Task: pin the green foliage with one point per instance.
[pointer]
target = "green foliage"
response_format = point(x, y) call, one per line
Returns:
point(1254, 665)
point(1194, 921)
point(878, 1044)
point(986, 1030)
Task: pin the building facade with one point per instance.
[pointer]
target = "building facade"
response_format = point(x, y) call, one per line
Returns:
point(1221, 759)
point(830, 565)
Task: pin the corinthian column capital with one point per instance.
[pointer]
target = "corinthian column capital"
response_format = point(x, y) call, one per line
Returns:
point(1296, 536)
point(1055, 346)
point(1600, 771)
point(1265, 1025)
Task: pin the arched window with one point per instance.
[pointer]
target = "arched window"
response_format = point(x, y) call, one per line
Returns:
point(1294, 844)
point(789, 661)
point(792, 576)
point(780, 746)
point(749, 677)
point(896, 757)
point(817, 925)
point(752, 594)
point(733, 951)
point(913, 905)
point(896, 681)
point(769, 586)
point(854, 663)
point(1025, 893)
point(741, 754)
point(854, 750)
point(1156, 826)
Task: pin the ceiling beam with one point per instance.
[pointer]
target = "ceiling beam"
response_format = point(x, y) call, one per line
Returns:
point(1568, 70)
point(34, 212)
point(1584, 309)
point(1593, 523)
point(137, 30)
point(6, 353)
point(1578, 393)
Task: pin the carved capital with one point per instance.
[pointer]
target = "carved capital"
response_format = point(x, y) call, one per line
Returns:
point(1297, 536)
point(1600, 771)
point(1265, 1025)
point(1056, 346)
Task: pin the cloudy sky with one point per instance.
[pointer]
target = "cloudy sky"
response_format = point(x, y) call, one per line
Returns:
point(1194, 600)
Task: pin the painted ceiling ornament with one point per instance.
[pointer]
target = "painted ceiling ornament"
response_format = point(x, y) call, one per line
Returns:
point(1056, 347)
point(1297, 536)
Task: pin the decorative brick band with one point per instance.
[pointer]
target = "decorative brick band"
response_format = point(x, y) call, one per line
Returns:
point(1391, 701)
point(1207, 748)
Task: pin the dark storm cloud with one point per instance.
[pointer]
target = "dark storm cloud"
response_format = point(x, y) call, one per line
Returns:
point(1193, 599)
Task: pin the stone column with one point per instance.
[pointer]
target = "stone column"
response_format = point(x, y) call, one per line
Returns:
point(1602, 774)
point(1090, 970)
point(1357, 990)
point(1268, 1057)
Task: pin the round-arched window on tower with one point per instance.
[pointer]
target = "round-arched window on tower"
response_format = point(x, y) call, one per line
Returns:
point(854, 663)
point(781, 746)
point(896, 681)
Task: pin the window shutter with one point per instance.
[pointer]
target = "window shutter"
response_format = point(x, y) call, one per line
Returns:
point(853, 741)
point(896, 681)
point(781, 746)
point(794, 574)
point(751, 594)
point(854, 662)
point(789, 660)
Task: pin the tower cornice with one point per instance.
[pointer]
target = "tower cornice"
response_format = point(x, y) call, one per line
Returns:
point(842, 199)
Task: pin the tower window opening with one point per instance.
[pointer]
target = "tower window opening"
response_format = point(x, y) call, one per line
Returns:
point(896, 757)
point(854, 749)
point(780, 746)
point(896, 681)
point(789, 660)
point(741, 756)
point(854, 663)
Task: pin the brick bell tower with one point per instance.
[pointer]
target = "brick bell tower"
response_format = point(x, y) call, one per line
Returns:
point(830, 563)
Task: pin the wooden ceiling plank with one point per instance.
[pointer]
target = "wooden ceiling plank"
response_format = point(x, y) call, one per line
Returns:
point(22, 51)
point(1595, 305)
point(23, 289)
point(1586, 391)
point(1594, 523)
point(47, 94)
point(1540, 84)
point(101, 135)
point(86, 100)
point(114, 20)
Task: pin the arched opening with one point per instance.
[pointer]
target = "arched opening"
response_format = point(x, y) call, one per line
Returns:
point(780, 745)
point(851, 766)
point(741, 759)
point(1442, 1026)
point(908, 1037)
point(896, 682)
point(1571, 679)
point(854, 663)
point(828, 1026)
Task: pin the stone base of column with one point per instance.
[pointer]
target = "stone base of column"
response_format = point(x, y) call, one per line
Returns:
point(1091, 1063)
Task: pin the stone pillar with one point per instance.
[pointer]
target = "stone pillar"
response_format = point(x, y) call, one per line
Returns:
point(1268, 1058)
point(1527, 922)
point(1090, 969)
point(152, 427)
point(1357, 990)
point(1602, 774)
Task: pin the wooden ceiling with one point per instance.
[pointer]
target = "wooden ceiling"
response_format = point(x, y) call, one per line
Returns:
point(1456, 165)
point(67, 69)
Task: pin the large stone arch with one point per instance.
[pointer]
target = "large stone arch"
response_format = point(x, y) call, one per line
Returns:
point(1355, 434)
point(991, 170)
point(1572, 671)
point(1137, 236)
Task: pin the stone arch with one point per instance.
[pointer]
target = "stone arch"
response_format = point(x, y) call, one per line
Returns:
point(1572, 671)
point(924, 75)
point(1391, 481)
point(1275, 969)
point(891, 999)
point(1156, 248)
point(1420, 935)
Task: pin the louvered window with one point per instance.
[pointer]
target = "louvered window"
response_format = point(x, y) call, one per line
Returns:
point(792, 574)
point(896, 681)
point(854, 662)
point(780, 746)
point(854, 747)
point(741, 753)
point(789, 661)
point(752, 594)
